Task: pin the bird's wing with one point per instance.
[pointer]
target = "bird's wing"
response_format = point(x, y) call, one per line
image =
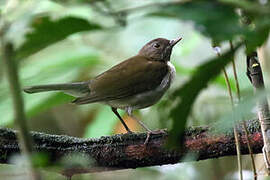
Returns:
point(131, 77)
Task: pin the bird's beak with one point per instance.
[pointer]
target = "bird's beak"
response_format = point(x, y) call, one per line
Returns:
point(174, 41)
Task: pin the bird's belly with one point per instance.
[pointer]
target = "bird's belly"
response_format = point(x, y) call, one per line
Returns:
point(148, 98)
point(138, 101)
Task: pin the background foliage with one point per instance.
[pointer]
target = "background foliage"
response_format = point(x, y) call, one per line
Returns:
point(67, 41)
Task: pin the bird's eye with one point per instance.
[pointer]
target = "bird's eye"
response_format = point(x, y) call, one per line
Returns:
point(156, 45)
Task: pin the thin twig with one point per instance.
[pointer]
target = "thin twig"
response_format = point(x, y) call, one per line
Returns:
point(244, 123)
point(250, 151)
point(235, 76)
point(228, 85)
point(237, 144)
point(238, 152)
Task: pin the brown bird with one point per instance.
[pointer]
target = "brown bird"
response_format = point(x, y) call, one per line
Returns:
point(135, 83)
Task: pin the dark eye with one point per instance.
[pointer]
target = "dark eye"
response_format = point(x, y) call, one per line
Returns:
point(156, 45)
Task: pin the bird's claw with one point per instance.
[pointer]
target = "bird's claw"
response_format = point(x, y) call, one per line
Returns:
point(130, 132)
point(159, 131)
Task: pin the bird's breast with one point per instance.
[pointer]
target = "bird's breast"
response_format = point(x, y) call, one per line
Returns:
point(166, 81)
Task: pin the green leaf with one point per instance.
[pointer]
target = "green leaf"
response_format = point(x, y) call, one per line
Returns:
point(219, 19)
point(46, 32)
point(220, 81)
point(63, 66)
point(180, 69)
point(47, 103)
point(250, 6)
point(212, 18)
point(243, 111)
point(188, 93)
point(259, 34)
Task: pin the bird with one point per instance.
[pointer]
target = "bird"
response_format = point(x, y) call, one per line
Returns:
point(135, 83)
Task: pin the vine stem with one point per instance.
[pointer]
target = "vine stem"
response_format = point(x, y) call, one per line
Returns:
point(244, 123)
point(237, 143)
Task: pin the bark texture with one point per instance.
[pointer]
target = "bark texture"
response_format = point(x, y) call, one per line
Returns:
point(255, 75)
point(128, 150)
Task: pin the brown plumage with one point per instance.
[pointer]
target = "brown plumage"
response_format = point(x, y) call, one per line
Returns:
point(121, 82)
point(135, 83)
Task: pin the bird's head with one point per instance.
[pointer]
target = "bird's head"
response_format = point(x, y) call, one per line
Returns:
point(159, 49)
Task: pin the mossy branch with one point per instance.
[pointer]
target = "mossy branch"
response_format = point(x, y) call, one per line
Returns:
point(128, 150)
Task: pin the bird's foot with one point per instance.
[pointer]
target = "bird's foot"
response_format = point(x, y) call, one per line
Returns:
point(129, 132)
point(149, 133)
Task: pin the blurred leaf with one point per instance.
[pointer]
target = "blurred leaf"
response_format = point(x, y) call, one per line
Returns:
point(219, 19)
point(259, 34)
point(47, 103)
point(242, 111)
point(40, 159)
point(212, 18)
point(250, 6)
point(188, 93)
point(64, 66)
point(194, 40)
point(77, 160)
point(102, 124)
point(183, 70)
point(46, 32)
point(220, 81)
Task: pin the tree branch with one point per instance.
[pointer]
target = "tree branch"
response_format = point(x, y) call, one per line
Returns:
point(254, 72)
point(128, 150)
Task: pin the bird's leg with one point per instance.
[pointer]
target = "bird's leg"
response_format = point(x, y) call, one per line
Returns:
point(120, 118)
point(129, 111)
point(141, 123)
point(149, 131)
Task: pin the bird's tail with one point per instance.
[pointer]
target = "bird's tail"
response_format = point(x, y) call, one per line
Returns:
point(77, 89)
